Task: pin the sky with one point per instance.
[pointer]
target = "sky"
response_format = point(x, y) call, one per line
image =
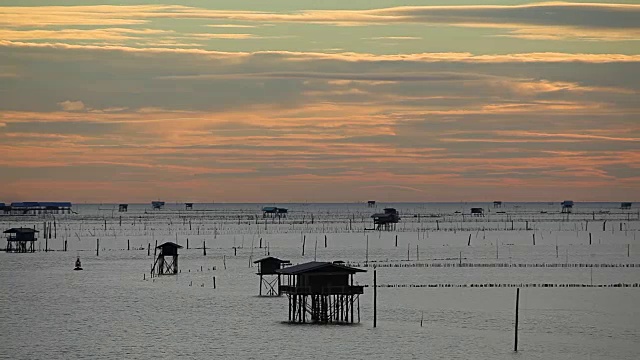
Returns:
point(319, 101)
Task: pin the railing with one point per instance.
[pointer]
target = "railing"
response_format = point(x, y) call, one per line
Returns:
point(325, 290)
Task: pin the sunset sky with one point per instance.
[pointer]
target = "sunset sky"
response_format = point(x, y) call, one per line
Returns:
point(319, 101)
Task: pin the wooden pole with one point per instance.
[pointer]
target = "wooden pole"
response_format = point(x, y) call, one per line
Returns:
point(515, 345)
point(148, 249)
point(396, 240)
point(469, 241)
point(214, 282)
point(128, 244)
point(367, 251)
point(325, 241)
point(375, 299)
point(97, 247)
point(204, 248)
point(408, 245)
point(304, 240)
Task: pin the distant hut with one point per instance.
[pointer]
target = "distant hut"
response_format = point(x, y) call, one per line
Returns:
point(567, 206)
point(188, 206)
point(371, 203)
point(625, 205)
point(269, 211)
point(272, 211)
point(386, 220)
point(157, 205)
point(21, 240)
point(477, 211)
point(35, 207)
point(497, 204)
point(268, 266)
point(321, 292)
point(167, 261)
point(4, 208)
point(123, 207)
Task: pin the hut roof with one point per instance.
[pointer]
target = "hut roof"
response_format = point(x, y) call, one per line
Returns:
point(169, 244)
point(20, 231)
point(318, 266)
point(269, 208)
point(271, 258)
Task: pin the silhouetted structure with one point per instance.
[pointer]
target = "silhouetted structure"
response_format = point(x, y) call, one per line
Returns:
point(321, 292)
point(268, 266)
point(5, 209)
point(188, 206)
point(167, 261)
point(371, 203)
point(123, 207)
point(625, 205)
point(477, 211)
point(21, 240)
point(386, 220)
point(272, 211)
point(567, 206)
point(497, 204)
point(34, 207)
point(157, 205)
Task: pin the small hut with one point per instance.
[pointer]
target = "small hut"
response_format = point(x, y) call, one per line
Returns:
point(625, 205)
point(567, 206)
point(371, 203)
point(167, 261)
point(157, 205)
point(386, 220)
point(188, 206)
point(3, 208)
point(477, 211)
point(268, 266)
point(272, 211)
point(497, 204)
point(269, 211)
point(34, 207)
point(123, 207)
point(321, 292)
point(21, 240)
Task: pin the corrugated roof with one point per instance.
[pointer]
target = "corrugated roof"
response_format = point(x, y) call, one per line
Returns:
point(315, 266)
point(169, 244)
point(40, 203)
point(272, 259)
point(20, 230)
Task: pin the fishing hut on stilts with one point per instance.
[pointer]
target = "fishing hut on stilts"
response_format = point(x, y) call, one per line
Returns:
point(21, 240)
point(268, 267)
point(386, 220)
point(322, 293)
point(167, 261)
point(567, 206)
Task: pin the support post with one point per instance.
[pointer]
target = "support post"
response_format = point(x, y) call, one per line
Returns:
point(515, 345)
point(375, 299)
point(97, 247)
